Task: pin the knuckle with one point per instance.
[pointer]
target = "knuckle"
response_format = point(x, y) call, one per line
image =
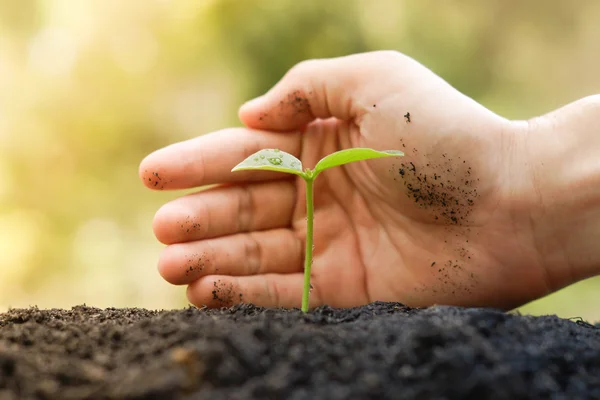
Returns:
point(305, 66)
point(392, 54)
point(253, 255)
point(244, 209)
point(384, 60)
point(273, 293)
point(251, 145)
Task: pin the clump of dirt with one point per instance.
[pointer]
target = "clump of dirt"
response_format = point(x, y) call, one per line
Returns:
point(378, 351)
point(298, 101)
point(294, 105)
point(190, 225)
point(439, 187)
point(446, 187)
point(224, 294)
point(156, 179)
point(195, 264)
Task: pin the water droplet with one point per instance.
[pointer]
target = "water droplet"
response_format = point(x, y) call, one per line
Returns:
point(275, 160)
point(262, 156)
point(255, 158)
point(293, 164)
point(276, 150)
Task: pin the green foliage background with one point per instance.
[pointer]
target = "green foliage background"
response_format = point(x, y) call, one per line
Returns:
point(88, 88)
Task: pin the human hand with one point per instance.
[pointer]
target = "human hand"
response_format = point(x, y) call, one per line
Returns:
point(440, 225)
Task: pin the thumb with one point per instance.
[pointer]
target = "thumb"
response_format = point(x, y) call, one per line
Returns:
point(343, 88)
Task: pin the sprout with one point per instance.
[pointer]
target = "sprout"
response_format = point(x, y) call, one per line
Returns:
point(280, 161)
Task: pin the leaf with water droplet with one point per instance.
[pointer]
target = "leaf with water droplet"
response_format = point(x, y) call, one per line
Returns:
point(351, 155)
point(271, 160)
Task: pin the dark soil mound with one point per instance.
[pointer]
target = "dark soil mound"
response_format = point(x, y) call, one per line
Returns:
point(380, 351)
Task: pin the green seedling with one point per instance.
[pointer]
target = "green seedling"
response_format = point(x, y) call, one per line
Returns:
point(280, 161)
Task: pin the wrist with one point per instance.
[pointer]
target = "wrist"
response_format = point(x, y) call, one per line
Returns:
point(560, 155)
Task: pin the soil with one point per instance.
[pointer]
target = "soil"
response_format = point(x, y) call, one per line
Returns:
point(379, 351)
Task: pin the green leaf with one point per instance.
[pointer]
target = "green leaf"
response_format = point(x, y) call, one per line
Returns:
point(271, 160)
point(350, 155)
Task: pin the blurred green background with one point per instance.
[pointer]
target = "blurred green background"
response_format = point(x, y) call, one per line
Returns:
point(88, 88)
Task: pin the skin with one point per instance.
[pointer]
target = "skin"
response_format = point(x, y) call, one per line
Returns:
point(482, 211)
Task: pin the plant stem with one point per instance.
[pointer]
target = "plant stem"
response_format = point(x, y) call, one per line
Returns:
point(309, 241)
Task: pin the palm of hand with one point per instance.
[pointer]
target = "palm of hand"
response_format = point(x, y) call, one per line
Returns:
point(422, 229)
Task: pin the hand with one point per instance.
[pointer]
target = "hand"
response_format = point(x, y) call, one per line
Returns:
point(441, 225)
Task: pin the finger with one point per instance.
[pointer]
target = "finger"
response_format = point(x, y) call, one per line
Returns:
point(226, 210)
point(272, 251)
point(344, 88)
point(208, 159)
point(270, 290)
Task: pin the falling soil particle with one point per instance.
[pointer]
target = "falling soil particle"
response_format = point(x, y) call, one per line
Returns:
point(377, 351)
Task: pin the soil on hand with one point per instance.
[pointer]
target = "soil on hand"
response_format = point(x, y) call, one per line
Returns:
point(379, 351)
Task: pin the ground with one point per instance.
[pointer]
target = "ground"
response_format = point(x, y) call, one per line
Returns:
point(379, 351)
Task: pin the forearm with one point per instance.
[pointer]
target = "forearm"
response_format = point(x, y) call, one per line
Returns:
point(561, 158)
